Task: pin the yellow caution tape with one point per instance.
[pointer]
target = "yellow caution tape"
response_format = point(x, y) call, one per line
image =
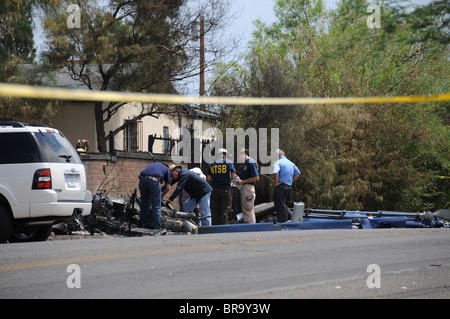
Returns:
point(37, 92)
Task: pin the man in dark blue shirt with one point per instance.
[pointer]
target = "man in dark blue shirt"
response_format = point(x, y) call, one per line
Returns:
point(198, 189)
point(150, 181)
point(219, 175)
point(248, 178)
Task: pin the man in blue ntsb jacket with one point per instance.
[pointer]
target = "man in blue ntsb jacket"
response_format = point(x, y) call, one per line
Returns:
point(219, 175)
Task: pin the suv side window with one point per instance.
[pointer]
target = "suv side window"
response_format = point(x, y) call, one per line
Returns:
point(17, 148)
point(57, 148)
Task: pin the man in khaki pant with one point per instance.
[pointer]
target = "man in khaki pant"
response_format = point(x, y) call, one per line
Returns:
point(248, 178)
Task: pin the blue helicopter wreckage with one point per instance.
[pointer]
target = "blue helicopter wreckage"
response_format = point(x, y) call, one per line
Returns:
point(306, 218)
point(120, 216)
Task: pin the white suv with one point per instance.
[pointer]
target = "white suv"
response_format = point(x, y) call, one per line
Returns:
point(42, 182)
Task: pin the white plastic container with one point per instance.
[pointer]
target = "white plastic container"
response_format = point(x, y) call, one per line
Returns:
point(297, 215)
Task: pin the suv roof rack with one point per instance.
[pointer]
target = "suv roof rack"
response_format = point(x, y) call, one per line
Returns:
point(19, 124)
point(12, 123)
point(36, 124)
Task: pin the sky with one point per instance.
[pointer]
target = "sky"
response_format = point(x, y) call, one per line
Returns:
point(263, 9)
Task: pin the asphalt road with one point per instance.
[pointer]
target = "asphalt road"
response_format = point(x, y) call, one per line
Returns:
point(412, 263)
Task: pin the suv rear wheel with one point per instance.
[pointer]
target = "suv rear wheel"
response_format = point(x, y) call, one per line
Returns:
point(32, 234)
point(6, 223)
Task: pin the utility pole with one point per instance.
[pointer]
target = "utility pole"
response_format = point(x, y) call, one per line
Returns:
point(202, 59)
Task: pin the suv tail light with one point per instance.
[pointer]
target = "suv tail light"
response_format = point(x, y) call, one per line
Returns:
point(42, 179)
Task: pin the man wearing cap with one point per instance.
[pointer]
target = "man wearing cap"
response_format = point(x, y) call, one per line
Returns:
point(248, 178)
point(285, 174)
point(150, 181)
point(198, 189)
point(219, 175)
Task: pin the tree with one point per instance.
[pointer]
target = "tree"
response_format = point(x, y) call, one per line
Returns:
point(128, 45)
point(431, 19)
point(17, 51)
point(16, 32)
point(382, 156)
